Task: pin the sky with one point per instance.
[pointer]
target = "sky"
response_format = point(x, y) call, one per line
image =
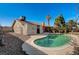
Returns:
point(36, 12)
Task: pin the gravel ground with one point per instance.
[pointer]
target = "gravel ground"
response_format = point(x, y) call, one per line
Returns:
point(12, 45)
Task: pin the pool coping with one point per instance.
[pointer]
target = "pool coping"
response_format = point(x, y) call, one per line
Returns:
point(51, 47)
point(47, 50)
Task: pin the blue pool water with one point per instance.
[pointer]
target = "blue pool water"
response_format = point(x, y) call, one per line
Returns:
point(53, 40)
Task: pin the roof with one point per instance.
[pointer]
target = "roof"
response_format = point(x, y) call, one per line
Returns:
point(31, 23)
point(23, 22)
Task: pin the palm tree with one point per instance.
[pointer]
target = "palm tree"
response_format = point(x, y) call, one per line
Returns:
point(48, 18)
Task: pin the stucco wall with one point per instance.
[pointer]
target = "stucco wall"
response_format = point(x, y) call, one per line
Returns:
point(31, 29)
point(18, 28)
point(25, 31)
point(41, 30)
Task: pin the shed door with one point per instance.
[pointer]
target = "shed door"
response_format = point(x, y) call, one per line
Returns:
point(38, 29)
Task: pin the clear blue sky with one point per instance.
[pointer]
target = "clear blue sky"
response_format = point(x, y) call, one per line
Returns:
point(35, 12)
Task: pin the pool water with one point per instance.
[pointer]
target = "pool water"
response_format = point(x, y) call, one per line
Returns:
point(53, 40)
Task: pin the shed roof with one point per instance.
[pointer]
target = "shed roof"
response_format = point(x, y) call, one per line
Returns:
point(24, 22)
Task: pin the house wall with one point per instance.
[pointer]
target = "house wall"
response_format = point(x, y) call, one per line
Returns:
point(41, 29)
point(31, 29)
point(18, 28)
point(25, 31)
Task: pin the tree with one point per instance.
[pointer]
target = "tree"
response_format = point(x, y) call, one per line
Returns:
point(48, 17)
point(59, 23)
point(72, 24)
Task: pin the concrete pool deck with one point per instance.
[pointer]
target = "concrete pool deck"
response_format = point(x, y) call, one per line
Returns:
point(31, 48)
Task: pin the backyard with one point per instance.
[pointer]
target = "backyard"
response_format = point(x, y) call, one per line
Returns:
point(13, 43)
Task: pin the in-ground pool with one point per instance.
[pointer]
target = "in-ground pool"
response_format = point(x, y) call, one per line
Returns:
point(53, 40)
